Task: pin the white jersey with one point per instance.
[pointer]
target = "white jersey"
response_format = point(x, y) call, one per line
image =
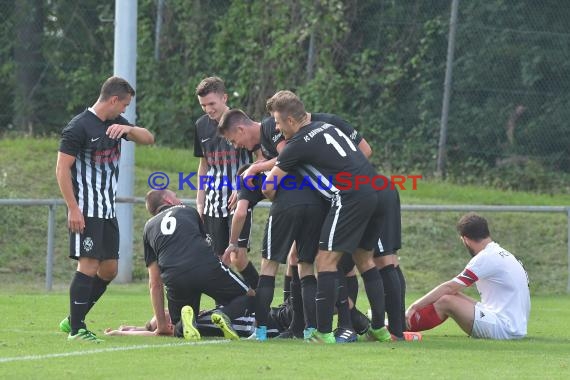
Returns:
point(502, 284)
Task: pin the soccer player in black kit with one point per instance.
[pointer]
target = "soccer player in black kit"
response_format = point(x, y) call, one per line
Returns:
point(355, 219)
point(295, 216)
point(179, 258)
point(219, 162)
point(87, 173)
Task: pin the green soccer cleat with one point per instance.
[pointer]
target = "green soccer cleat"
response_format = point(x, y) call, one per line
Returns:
point(86, 335)
point(381, 335)
point(65, 325)
point(318, 337)
point(188, 329)
point(223, 322)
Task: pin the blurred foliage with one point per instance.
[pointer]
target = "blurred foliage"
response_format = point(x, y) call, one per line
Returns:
point(379, 64)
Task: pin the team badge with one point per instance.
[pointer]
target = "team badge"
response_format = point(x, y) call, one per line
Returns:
point(209, 239)
point(87, 244)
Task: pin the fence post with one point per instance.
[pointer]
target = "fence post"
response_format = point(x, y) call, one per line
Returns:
point(50, 246)
point(568, 237)
point(441, 147)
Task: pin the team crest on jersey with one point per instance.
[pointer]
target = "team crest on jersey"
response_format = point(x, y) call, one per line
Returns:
point(87, 244)
point(209, 239)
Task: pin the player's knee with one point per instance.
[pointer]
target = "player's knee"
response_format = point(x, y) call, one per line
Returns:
point(444, 305)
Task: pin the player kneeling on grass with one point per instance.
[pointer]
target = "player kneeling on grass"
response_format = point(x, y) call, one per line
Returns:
point(501, 280)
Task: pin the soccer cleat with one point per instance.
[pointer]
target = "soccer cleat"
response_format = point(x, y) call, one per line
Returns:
point(381, 335)
point(189, 331)
point(65, 325)
point(223, 322)
point(260, 333)
point(290, 334)
point(412, 336)
point(84, 334)
point(308, 332)
point(343, 335)
point(319, 337)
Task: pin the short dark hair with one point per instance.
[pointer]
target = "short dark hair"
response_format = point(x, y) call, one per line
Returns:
point(153, 200)
point(473, 226)
point(211, 85)
point(115, 86)
point(286, 103)
point(231, 118)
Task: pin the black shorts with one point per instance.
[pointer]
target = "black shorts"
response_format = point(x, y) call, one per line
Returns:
point(215, 280)
point(99, 240)
point(346, 223)
point(390, 230)
point(300, 224)
point(218, 232)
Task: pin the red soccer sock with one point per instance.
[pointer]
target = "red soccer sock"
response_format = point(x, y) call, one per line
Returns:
point(425, 319)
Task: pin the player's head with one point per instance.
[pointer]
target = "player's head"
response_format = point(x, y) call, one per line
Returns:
point(472, 228)
point(288, 110)
point(157, 200)
point(236, 127)
point(212, 96)
point(116, 93)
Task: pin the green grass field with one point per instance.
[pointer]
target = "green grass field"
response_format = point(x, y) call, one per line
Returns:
point(31, 347)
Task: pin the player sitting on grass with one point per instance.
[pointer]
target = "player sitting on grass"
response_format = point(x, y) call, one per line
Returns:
point(501, 280)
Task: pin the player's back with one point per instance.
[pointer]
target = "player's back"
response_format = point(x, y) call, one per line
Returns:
point(177, 238)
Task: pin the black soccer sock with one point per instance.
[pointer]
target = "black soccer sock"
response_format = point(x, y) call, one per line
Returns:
point(237, 307)
point(309, 292)
point(352, 288)
point(286, 288)
point(403, 287)
point(327, 286)
point(250, 275)
point(99, 287)
point(79, 295)
point(343, 311)
point(393, 300)
point(298, 322)
point(375, 293)
point(263, 297)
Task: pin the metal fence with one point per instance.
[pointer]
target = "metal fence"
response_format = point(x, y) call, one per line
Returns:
point(53, 203)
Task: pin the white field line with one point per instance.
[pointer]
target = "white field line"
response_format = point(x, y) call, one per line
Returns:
point(104, 350)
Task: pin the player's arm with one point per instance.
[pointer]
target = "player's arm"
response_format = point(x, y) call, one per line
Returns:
point(133, 133)
point(365, 148)
point(201, 193)
point(447, 288)
point(262, 166)
point(238, 220)
point(272, 182)
point(75, 219)
point(156, 289)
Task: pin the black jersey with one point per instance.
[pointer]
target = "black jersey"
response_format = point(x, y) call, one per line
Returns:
point(176, 240)
point(271, 137)
point(296, 190)
point(325, 154)
point(223, 162)
point(252, 193)
point(96, 169)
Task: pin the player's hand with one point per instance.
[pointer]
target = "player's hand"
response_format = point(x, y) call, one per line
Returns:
point(409, 313)
point(116, 131)
point(164, 330)
point(251, 172)
point(75, 220)
point(232, 202)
